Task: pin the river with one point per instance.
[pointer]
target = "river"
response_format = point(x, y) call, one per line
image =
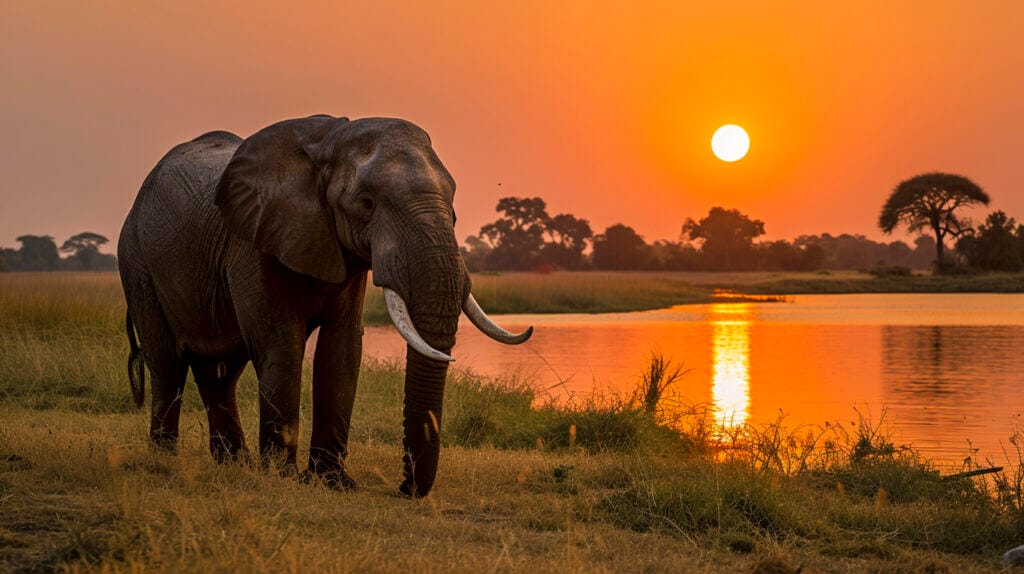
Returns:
point(947, 370)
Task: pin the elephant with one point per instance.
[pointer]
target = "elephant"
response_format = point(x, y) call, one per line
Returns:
point(237, 250)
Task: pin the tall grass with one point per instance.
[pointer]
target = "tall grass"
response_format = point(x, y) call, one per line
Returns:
point(45, 304)
point(568, 292)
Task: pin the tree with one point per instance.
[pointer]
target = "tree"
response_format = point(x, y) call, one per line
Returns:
point(10, 259)
point(995, 246)
point(85, 252)
point(727, 238)
point(785, 256)
point(38, 253)
point(931, 201)
point(568, 237)
point(923, 256)
point(621, 248)
point(475, 256)
point(675, 256)
point(858, 252)
point(516, 238)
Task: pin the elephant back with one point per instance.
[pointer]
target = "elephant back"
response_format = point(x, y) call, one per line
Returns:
point(177, 233)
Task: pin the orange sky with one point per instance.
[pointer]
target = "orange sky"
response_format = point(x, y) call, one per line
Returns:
point(604, 112)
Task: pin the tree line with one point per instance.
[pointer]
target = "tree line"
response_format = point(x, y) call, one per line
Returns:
point(525, 237)
point(40, 253)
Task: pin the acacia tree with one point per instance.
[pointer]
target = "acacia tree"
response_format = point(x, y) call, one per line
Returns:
point(85, 251)
point(931, 201)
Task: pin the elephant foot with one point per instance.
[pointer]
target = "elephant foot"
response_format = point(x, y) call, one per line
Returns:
point(408, 490)
point(335, 479)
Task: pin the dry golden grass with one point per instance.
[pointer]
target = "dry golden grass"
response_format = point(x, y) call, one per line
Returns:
point(82, 492)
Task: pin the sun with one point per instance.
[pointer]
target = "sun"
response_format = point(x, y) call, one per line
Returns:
point(730, 143)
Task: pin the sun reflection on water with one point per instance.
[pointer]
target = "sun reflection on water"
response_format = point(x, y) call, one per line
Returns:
point(730, 367)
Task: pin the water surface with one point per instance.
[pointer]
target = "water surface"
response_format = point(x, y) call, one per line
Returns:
point(946, 368)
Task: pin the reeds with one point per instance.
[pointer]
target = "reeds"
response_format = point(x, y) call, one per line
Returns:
point(658, 375)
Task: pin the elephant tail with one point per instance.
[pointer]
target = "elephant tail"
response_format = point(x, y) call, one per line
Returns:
point(136, 365)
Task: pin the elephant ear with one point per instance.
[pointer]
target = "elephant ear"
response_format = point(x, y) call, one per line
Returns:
point(271, 194)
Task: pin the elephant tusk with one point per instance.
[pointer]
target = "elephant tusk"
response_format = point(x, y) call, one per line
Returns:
point(400, 317)
point(480, 319)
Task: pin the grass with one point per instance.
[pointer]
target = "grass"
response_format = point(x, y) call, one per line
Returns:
point(599, 484)
point(864, 283)
point(619, 292)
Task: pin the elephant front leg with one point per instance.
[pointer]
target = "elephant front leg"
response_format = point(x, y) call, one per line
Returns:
point(280, 384)
point(335, 376)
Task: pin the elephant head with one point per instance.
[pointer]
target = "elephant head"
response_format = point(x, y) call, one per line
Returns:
point(327, 196)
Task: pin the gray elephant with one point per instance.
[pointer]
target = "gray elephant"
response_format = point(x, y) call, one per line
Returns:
point(236, 250)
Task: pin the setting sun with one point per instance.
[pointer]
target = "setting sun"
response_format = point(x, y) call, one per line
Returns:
point(730, 143)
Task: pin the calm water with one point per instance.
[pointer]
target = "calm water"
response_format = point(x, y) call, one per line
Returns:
point(947, 369)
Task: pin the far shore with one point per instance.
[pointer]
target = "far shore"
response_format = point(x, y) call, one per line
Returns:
point(625, 291)
point(606, 291)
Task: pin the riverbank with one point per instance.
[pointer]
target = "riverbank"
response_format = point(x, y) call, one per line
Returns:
point(610, 484)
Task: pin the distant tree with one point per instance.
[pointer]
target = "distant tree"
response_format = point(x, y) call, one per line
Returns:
point(675, 256)
point(995, 246)
point(924, 252)
point(811, 257)
point(516, 238)
point(38, 253)
point(931, 201)
point(727, 238)
point(475, 256)
point(621, 248)
point(84, 250)
point(858, 252)
point(568, 237)
point(785, 256)
point(10, 259)
point(897, 253)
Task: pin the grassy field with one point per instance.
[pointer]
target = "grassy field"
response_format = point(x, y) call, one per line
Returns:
point(607, 485)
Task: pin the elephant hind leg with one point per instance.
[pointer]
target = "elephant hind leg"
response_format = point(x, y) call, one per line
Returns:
point(166, 366)
point(217, 381)
point(168, 387)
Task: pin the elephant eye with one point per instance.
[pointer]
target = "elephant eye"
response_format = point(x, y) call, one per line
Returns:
point(365, 203)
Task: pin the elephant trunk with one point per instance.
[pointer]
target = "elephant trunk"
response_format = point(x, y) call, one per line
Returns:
point(424, 394)
point(434, 303)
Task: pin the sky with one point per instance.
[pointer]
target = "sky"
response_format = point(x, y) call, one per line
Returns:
point(604, 109)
